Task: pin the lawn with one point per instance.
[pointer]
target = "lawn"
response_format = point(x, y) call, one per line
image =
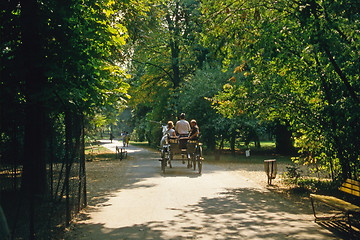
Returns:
point(99, 153)
point(257, 155)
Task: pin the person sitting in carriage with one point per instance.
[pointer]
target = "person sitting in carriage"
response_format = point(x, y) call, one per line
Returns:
point(170, 132)
point(194, 132)
point(182, 126)
point(170, 129)
point(182, 129)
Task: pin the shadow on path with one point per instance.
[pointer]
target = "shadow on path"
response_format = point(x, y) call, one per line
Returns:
point(232, 213)
point(235, 214)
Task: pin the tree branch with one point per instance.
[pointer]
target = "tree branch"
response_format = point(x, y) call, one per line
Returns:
point(157, 66)
point(340, 73)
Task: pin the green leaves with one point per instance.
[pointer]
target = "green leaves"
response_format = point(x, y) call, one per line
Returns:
point(303, 60)
point(92, 53)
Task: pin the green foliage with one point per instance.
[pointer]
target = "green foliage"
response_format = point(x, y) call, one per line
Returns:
point(317, 185)
point(165, 51)
point(195, 91)
point(260, 63)
point(302, 69)
point(60, 60)
point(292, 173)
point(90, 40)
point(293, 176)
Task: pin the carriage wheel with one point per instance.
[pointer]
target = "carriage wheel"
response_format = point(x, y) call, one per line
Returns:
point(163, 161)
point(199, 162)
point(189, 160)
point(199, 159)
point(162, 153)
point(168, 157)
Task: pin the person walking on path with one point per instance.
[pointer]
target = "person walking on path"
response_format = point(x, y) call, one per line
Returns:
point(111, 137)
point(123, 136)
point(127, 138)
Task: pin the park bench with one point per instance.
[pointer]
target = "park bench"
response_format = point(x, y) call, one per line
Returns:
point(91, 154)
point(350, 187)
point(121, 153)
point(93, 148)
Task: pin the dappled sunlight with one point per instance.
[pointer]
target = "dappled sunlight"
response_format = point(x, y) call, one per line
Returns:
point(249, 213)
point(132, 150)
point(220, 203)
point(146, 186)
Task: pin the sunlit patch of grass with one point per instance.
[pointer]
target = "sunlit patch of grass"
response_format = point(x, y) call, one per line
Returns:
point(241, 158)
point(99, 153)
point(95, 149)
point(142, 144)
point(257, 155)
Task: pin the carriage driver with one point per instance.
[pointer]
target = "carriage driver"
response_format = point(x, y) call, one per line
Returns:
point(182, 126)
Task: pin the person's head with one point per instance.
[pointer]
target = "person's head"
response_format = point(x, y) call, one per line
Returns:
point(170, 124)
point(193, 122)
point(182, 116)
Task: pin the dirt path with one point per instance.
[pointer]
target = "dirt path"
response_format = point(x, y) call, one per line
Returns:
point(132, 199)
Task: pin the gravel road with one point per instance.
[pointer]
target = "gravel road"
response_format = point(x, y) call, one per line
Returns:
point(133, 199)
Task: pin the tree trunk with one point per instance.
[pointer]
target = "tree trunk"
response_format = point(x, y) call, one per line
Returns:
point(232, 143)
point(68, 154)
point(332, 126)
point(82, 171)
point(34, 175)
point(284, 144)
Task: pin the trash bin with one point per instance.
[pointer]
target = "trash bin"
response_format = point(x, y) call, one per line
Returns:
point(247, 153)
point(270, 169)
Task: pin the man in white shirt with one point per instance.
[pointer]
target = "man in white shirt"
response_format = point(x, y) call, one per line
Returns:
point(182, 126)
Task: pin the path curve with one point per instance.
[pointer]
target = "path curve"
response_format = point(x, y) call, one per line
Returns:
point(143, 203)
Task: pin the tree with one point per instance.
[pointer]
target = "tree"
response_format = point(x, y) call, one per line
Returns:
point(302, 67)
point(69, 54)
point(194, 99)
point(165, 51)
point(34, 177)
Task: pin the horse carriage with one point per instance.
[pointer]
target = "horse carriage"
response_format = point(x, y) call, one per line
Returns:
point(184, 149)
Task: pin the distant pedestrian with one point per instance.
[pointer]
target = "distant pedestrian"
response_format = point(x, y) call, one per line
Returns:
point(127, 139)
point(111, 136)
point(123, 136)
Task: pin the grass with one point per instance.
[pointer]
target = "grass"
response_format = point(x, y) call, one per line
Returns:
point(239, 157)
point(257, 155)
point(95, 149)
point(265, 145)
point(99, 153)
point(143, 145)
